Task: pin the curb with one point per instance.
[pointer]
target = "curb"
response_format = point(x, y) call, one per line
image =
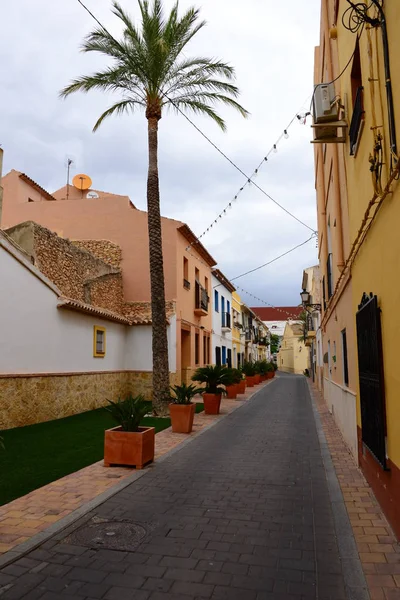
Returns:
point(43, 536)
point(353, 574)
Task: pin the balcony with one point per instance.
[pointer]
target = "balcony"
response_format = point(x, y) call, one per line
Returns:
point(357, 122)
point(225, 322)
point(248, 335)
point(201, 301)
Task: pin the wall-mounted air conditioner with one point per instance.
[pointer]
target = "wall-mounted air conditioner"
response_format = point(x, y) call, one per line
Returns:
point(328, 125)
point(325, 104)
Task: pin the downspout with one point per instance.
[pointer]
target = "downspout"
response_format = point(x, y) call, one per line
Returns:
point(388, 83)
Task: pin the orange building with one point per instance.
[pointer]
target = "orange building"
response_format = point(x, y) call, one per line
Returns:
point(95, 215)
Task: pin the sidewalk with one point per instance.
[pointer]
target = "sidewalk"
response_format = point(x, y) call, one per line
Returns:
point(378, 548)
point(29, 515)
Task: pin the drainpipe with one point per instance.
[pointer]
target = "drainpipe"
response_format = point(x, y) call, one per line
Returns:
point(336, 186)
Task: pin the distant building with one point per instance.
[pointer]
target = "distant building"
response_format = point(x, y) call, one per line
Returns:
point(276, 318)
point(293, 356)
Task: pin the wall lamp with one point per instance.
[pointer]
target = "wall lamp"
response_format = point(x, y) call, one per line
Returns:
point(305, 299)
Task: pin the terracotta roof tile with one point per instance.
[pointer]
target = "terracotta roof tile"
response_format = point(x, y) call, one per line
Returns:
point(278, 313)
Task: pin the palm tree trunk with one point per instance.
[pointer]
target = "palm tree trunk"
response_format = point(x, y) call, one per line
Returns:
point(158, 315)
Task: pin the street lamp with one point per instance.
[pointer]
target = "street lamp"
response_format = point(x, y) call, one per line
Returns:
point(305, 299)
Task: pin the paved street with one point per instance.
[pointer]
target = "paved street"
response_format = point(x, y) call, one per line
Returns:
point(243, 511)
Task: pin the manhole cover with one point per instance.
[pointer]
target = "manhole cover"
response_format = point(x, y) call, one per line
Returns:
point(113, 535)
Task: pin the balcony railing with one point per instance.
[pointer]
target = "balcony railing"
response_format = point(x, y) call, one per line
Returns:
point(248, 335)
point(186, 284)
point(356, 121)
point(226, 320)
point(201, 300)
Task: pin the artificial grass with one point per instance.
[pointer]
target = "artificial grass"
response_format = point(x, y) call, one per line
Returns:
point(39, 454)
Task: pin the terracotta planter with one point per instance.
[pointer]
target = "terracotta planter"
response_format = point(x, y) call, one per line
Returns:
point(250, 380)
point(241, 387)
point(273, 374)
point(270, 374)
point(257, 379)
point(212, 403)
point(182, 416)
point(263, 378)
point(130, 448)
point(231, 392)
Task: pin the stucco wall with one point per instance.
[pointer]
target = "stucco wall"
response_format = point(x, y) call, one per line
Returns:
point(220, 338)
point(138, 350)
point(342, 403)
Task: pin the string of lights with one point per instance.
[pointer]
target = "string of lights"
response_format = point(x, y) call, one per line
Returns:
point(284, 312)
point(249, 178)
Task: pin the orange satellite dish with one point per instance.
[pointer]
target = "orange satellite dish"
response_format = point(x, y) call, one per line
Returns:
point(82, 182)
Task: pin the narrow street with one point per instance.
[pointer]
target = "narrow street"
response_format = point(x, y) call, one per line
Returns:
point(243, 511)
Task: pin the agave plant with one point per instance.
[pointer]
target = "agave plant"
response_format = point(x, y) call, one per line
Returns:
point(236, 375)
point(214, 376)
point(129, 413)
point(184, 394)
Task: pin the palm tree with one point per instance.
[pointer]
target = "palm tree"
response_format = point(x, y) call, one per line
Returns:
point(149, 70)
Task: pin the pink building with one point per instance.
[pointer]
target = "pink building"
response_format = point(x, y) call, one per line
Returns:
point(96, 215)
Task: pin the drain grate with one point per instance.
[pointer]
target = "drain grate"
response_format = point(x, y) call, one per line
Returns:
point(112, 535)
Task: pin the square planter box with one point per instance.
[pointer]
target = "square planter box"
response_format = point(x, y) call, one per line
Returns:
point(212, 403)
point(182, 416)
point(242, 387)
point(250, 382)
point(129, 448)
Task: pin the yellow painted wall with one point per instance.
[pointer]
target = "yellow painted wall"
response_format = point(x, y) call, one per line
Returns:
point(377, 265)
point(293, 356)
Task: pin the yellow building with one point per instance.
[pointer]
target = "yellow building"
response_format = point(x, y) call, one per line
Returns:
point(293, 356)
point(365, 281)
point(238, 333)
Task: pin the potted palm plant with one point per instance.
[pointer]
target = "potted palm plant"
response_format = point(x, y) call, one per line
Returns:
point(257, 373)
point(232, 389)
point(249, 370)
point(214, 377)
point(241, 386)
point(263, 368)
point(182, 408)
point(128, 443)
point(270, 371)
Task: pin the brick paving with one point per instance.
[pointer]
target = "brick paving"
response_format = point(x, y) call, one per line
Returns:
point(243, 511)
point(33, 513)
point(378, 548)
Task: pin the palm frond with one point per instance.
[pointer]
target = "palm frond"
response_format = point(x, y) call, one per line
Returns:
point(119, 108)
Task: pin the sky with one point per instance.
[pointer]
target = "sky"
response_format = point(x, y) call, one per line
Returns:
point(271, 45)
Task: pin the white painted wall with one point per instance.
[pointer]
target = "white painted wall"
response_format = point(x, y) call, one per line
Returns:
point(138, 351)
point(276, 327)
point(37, 337)
point(219, 337)
point(342, 404)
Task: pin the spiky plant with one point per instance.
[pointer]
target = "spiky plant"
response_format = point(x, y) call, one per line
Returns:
point(128, 413)
point(214, 376)
point(184, 394)
point(149, 70)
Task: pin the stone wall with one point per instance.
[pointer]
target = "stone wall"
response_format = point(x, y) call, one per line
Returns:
point(75, 271)
point(25, 400)
point(106, 291)
point(141, 311)
point(107, 251)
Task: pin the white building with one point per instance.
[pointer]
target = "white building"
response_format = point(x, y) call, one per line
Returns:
point(221, 319)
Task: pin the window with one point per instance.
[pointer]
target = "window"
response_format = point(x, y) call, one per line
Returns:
point(229, 358)
point(218, 356)
point(197, 274)
point(197, 348)
point(344, 359)
point(99, 342)
point(205, 350)
point(216, 301)
point(228, 307)
point(357, 119)
point(329, 263)
point(222, 304)
point(206, 284)
point(186, 282)
point(224, 355)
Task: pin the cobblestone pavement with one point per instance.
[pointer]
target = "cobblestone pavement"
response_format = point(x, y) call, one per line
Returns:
point(23, 518)
point(243, 511)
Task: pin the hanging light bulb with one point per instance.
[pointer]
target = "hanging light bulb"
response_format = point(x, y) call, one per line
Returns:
point(285, 134)
point(275, 149)
point(230, 205)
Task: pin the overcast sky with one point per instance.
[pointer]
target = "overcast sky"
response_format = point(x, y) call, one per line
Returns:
point(271, 45)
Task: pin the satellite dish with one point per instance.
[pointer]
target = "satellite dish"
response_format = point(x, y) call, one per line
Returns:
point(92, 195)
point(82, 182)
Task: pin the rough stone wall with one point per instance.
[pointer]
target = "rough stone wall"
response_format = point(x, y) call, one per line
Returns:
point(29, 400)
point(75, 271)
point(107, 251)
point(141, 311)
point(106, 291)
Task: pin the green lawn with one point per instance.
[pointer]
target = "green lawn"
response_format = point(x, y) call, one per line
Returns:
point(38, 454)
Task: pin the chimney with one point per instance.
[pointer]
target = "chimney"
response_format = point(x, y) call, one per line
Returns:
point(1, 187)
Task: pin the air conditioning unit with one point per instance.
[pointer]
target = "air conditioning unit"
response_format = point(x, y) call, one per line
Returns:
point(327, 124)
point(326, 107)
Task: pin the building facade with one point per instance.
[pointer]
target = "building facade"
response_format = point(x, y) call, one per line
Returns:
point(92, 215)
point(311, 283)
point(293, 356)
point(222, 291)
point(359, 242)
point(238, 334)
